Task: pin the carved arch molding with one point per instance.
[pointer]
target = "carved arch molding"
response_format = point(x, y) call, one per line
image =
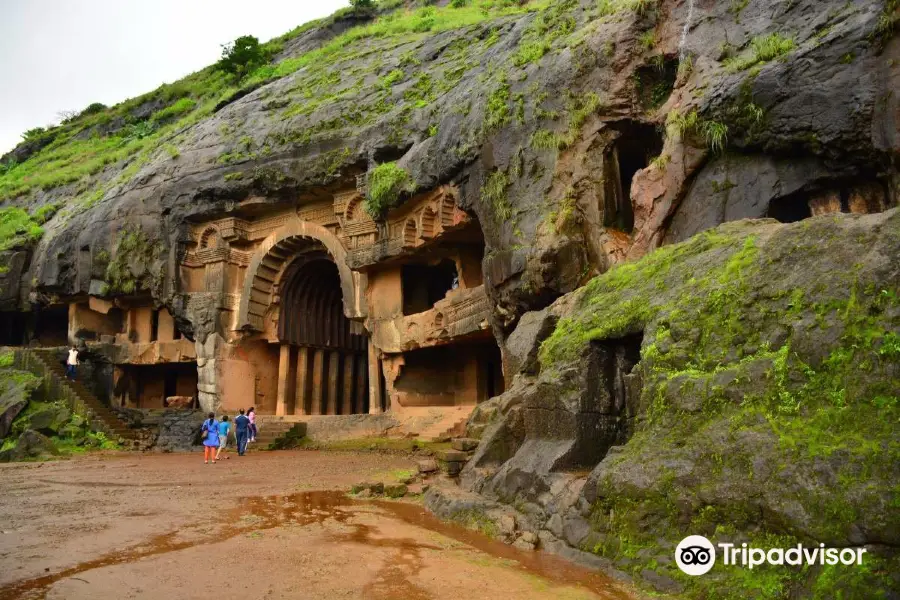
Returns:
point(266, 273)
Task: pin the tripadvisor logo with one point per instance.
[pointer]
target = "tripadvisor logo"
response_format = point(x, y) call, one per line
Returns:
point(696, 555)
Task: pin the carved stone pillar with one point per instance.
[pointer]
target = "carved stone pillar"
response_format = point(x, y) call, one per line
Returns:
point(300, 395)
point(347, 395)
point(334, 363)
point(374, 381)
point(284, 380)
point(318, 378)
point(362, 391)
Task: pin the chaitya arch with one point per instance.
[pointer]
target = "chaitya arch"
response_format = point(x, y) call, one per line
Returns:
point(269, 263)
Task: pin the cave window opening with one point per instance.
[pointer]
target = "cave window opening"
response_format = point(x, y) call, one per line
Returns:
point(637, 145)
point(845, 201)
point(154, 326)
point(12, 329)
point(151, 386)
point(51, 326)
point(789, 210)
point(462, 373)
point(423, 285)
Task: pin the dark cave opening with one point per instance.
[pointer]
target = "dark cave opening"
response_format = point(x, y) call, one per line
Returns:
point(12, 329)
point(636, 146)
point(655, 82)
point(51, 326)
point(789, 209)
point(423, 285)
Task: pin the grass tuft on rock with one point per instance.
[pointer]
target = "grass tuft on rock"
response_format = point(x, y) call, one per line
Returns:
point(387, 182)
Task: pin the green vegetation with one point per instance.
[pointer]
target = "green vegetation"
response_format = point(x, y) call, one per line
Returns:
point(727, 392)
point(762, 50)
point(17, 228)
point(493, 194)
point(715, 133)
point(114, 140)
point(242, 56)
point(133, 249)
point(579, 108)
point(550, 25)
point(386, 184)
point(497, 110)
point(888, 19)
point(611, 7)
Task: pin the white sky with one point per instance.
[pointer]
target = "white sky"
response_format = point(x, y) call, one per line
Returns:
point(65, 54)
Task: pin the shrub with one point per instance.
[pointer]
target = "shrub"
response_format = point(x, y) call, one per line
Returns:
point(386, 183)
point(362, 5)
point(242, 56)
point(93, 109)
point(33, 134)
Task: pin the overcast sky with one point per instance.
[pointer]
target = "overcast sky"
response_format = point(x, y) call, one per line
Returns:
point(65, 54)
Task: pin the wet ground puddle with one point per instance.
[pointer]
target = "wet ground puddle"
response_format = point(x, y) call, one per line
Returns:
point(309, 508)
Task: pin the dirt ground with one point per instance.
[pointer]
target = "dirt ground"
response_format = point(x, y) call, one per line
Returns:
point(260, 526)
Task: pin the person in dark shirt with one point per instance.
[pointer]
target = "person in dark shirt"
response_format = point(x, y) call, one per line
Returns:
point(241, 432)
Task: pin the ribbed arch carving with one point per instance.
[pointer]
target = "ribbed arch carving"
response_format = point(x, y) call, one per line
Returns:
point(265, 275)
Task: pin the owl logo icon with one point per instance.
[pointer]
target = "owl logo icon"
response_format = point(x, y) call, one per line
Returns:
point(695, 555)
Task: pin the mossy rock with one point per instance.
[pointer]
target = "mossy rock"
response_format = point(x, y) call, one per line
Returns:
point(30, 445)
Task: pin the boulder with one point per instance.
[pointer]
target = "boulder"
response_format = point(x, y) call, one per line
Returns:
point(180, 402)
point(50, 420)
point(522, 345)
point(395, 490)
point(30, 444)
point(13, 400)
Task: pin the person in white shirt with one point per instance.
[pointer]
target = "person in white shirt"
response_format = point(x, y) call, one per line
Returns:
point(71, 363)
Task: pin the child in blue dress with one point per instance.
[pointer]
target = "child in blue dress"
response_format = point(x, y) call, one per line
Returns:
point(210, 431)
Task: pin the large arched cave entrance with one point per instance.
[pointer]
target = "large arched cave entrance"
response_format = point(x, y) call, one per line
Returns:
point(323, 365)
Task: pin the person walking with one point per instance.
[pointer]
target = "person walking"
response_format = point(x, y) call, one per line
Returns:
point(251, 414)
point(210, 431)
point(71, 363)
point(224, 428)
point(241, 432)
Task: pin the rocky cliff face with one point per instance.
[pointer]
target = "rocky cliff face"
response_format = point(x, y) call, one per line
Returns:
point(581, 134)
point(742, 385)
point(545, 115)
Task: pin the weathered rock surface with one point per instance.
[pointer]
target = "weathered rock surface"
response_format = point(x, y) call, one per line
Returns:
point(761, 406)
point(50, 420)
point(179, 431)
point(14, 395)
point(476, 102)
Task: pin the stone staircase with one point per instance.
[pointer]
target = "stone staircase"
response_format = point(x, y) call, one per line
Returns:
point(46, 365)
point(272, 428)
point(446, 429)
